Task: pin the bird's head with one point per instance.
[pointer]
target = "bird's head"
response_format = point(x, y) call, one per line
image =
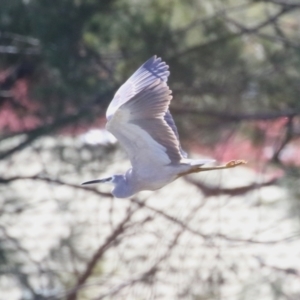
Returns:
point(121, 188)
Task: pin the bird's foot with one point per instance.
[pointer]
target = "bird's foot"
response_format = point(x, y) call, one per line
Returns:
point(235, 163)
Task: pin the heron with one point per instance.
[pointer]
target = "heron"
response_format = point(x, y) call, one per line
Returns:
point(139, 117)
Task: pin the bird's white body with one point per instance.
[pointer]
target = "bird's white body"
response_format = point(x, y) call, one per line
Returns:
point(139, 118)
point(154, 179)
point(151, 180)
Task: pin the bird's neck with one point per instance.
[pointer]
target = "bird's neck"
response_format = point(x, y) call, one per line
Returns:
point(125, 187)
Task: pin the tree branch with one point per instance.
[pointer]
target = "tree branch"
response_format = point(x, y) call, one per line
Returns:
point(284, 3)
point(115, 234)
point(209, 191)
point(51, 180)
point(209, 236)
point(234, 117)
point(150, 272)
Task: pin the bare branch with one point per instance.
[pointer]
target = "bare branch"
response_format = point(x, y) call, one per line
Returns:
point(243, 30)
point(43, 130)
point(261, 25)
point(110, 240)
point(16, 50)
point(140, 278)
point(20, 38)
point(287, 271)
point(150, 272)
point(234, 117)
point(283, 3)
point(270, 20)
point(209, 191)
point(209, 236)
point(51, 180)
point(219, 13)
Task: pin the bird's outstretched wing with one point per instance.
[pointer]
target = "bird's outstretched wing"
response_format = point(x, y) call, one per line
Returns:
point(153, 69)
point(169, 119)
point(139, 118)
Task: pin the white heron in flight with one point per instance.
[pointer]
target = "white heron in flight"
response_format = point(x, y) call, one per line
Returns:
point(139, 117)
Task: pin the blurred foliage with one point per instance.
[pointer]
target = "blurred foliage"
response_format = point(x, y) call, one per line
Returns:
point(83, 50)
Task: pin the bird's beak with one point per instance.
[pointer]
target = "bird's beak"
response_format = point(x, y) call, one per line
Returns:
point(108, 179)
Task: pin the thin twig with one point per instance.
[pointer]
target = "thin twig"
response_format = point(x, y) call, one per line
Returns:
point(110, 240)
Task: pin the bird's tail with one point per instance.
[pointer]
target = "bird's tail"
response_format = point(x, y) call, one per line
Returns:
point(200, 162)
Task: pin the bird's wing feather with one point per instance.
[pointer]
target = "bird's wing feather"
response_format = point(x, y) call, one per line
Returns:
point(140, 126)
point(153, 69)
point(169, 119)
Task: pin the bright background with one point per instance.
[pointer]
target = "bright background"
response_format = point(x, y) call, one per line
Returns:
point(235, 76)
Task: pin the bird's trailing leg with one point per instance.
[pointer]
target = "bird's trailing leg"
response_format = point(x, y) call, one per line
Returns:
point(230, 164)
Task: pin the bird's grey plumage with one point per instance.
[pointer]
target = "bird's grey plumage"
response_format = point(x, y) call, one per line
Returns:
point(169, 119)
point(139, 118)
point(143, 77)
